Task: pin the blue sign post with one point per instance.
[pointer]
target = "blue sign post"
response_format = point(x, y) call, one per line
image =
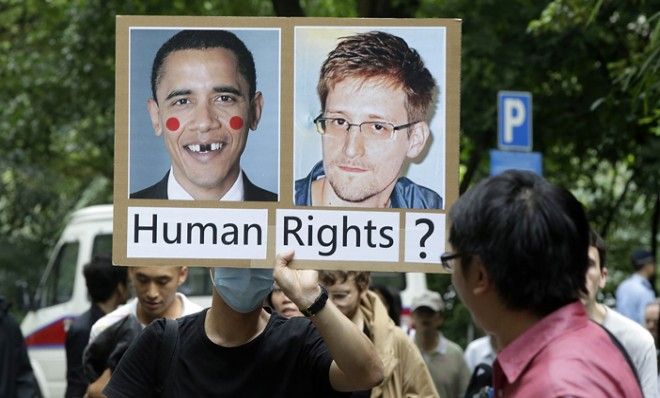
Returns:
point(514, 121)
point(514, 135)
point(501, 161)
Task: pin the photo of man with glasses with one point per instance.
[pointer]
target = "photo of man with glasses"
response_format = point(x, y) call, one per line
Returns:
point(377, 97)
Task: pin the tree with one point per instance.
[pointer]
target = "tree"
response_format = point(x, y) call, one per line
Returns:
point(592, 67)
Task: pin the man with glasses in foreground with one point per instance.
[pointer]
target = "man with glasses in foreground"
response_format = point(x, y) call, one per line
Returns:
point(376, 96)
point(519, 259)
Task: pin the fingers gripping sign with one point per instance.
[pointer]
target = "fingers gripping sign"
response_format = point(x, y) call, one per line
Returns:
point(300, 285)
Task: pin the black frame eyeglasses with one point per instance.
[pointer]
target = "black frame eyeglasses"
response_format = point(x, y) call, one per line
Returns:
point(377, 130)
point(445, 259)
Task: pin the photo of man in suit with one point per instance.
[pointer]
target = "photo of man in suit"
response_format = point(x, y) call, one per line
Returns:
point(204, 102)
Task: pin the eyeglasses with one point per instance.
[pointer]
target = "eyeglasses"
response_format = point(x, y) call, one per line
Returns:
point(375, 131)
point(446, 258)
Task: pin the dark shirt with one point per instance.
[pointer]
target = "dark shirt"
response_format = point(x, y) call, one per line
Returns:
point(405, 195)
point(251, 192)
point(77, 338)
point(288, 359)
point(16, 375)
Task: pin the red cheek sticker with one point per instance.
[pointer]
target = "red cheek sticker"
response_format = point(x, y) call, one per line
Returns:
point(236, 122)
point(172, 124)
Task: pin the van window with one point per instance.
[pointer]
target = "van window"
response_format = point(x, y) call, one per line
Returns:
point(198, 282)
point(102, 245)
point(58, 287)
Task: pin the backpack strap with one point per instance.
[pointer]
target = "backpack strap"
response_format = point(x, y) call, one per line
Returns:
point(166, 356)
point(618, 345)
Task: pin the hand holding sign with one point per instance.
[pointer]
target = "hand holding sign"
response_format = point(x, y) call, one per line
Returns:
point(301, 286)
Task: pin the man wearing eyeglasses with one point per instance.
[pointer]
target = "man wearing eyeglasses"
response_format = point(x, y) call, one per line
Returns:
point(519, 264)
point(376, 96)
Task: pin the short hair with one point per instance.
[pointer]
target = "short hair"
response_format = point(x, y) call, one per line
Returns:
point(596, 241)
point(532, 237)
point(102, 278)
point(640, 257)
point(384, 56)
point(392, 299)
point(329, 278)
point(202, 40)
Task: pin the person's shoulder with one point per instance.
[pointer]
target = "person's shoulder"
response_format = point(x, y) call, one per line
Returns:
point(415, 196)
point(155, 191)
point(297, 327)
point(478, 344)
point(189, 307)
point(80, 323)
point(629, 332)
point(453, 346)
point(184, 323)
point(256, 193)
point(113, 317)
point(627, 283)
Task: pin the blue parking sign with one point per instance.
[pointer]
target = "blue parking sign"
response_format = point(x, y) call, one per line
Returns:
point(514, 121)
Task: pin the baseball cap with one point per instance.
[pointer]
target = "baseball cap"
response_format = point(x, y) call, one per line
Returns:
point(641, 257)
point(429, 299)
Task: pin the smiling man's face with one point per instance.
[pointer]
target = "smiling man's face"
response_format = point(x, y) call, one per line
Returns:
point(204, 113)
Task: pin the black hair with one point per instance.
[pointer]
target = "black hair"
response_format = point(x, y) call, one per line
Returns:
point(392, 301)
point(102, 278)
point(531, 236)
point(201, 40)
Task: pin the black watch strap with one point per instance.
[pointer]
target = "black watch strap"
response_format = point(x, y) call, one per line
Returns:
point(317, 305)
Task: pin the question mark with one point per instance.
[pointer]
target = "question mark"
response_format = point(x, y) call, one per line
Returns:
point(429, 232)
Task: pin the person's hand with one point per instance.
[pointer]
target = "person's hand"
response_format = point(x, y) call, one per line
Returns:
point(301, 286)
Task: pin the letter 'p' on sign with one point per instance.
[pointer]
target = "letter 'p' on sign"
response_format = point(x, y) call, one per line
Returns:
point(514, 121)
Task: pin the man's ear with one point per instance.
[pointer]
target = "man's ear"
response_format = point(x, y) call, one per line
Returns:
point(256, 107)
point(183, 275)
point(419, 134)
point(479, 277)
point(152, 106)
point(603, 277)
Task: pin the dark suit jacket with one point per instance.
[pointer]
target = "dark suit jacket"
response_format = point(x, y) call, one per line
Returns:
point(252, 192)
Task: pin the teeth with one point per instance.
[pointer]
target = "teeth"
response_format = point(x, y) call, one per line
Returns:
point(204, 148)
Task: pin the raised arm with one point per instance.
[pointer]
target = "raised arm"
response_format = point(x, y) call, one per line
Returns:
point(356, 365)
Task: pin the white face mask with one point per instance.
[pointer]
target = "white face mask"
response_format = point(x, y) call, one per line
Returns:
point(243, 289)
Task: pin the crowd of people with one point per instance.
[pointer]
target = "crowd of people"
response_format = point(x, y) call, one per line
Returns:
point(560, 330)
point(522, 257)
point(328, 333)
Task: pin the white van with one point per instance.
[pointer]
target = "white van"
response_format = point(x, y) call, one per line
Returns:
point(62, 294)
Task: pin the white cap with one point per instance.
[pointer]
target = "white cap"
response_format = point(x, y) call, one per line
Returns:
point(429, 299)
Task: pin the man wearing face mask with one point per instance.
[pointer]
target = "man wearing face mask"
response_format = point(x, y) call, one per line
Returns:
point(236, 348)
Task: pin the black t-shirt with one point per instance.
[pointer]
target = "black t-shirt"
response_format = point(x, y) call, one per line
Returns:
point(288, 359)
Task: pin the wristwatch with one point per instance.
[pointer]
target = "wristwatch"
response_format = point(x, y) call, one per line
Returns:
point(317, 305)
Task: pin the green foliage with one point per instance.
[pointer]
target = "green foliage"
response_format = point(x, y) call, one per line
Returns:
point(592, 67)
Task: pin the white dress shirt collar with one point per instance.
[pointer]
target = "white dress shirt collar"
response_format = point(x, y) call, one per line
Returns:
point(176, 192)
